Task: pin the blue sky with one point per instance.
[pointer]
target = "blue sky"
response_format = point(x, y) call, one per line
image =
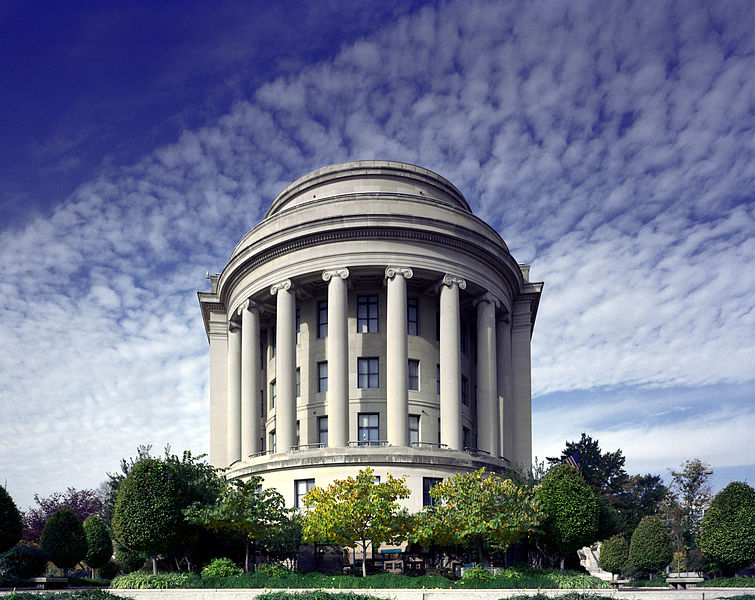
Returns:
point(611, 144)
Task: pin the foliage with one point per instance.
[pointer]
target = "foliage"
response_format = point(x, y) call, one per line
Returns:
point(11, 526)
point(356, 510)
point(643, 496)
point(151, 581)
point(221, 567)
point(83, 503)
point(99, 544)
point(650, 547)
point(603, 471)
point(64, 538)
point(614, 554)
point(243, 509)
point(93, 594)
point(729, 582)
point(24, 561)
point(570, 510)
point(727, 533)
point(475, 509)
point(147, 514)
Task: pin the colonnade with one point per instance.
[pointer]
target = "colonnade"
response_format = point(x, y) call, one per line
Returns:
point(497, 347)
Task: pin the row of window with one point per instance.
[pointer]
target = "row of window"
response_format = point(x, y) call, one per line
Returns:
point(302, 486)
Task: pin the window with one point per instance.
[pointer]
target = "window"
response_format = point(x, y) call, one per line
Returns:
point(273, 395)
point(367, 373)
point(465, 437)
point(322, 431)
point(464, 386)
point(322, 376)
point(463, 336)
point(368, 432)
point(429, 483)
point(413, 430)
point(271, 442)
point(272, 342)
point(367, 314)
point(298, 326)
point(437, 379)
point(298, 382)
point(301, 487)
point(412, 316)
point(413, 374)
point(322, 319)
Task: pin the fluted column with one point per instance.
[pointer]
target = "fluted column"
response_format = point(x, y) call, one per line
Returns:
point(450, 362)
point(503, 346)
point(521, 405)
point(488, 435)
point(285, 365)
point(338, 358)
point(250, 378)
point(233, 435)
point(397, 357)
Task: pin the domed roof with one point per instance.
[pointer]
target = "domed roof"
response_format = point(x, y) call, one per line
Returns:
point(368, 177)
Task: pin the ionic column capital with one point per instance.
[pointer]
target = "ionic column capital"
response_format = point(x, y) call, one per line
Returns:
point(486, 297)
point(248, 304)
point(284, 285)
point(391, 272)
point(450, 280)
point(328, 275)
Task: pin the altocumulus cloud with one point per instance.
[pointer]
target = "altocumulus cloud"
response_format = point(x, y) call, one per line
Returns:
point(610, 144)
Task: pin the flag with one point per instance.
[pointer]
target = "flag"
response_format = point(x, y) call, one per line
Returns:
point(573, 460)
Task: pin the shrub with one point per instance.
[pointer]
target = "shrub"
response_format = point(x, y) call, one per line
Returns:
point(727, 533)
point(221, 567)
point(99, 544)
point(64, 538)
point(11, 526)
point(650, 547)
point(24, 562)
point(614, 554)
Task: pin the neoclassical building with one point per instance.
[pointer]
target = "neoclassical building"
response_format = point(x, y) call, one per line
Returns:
point(369, 320)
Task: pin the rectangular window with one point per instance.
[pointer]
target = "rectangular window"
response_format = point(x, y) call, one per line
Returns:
point(368, 429)
point(298, 326)
point(301, 487)
point(322, 376)
point(413, 374)
point(271, 442)
point(322, 319)
point(412, 316)
point(272, 342)
point(367, 373)
point(429, 483)
point(272, 394)
point(413, 430)
point(367, 314)
point(298, 382)
point(437, 380)
point(464, 388)
point(322, 431)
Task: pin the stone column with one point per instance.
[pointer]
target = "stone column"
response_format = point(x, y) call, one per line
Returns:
point(285, 365)
point(234, 393)
point(521, 405)
point(338, 358)
point(397, 357)
point(503, 346)
point(250, 378)
point(450, 362)
point(488, 434)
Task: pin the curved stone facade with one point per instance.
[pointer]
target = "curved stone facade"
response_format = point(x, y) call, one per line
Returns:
point(369, 319)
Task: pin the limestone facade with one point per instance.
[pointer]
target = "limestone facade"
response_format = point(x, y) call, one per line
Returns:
point(369, 320)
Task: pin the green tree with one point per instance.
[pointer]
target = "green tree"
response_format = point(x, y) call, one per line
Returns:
point(614, 554)
point(727, 533)
point(477, 510)
point(243, 509)
point(64, 539)
point(99, 543)
point(147, 514)
point(355, 511)
point(570, 509)
point(650, 547)
point(11, 525)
